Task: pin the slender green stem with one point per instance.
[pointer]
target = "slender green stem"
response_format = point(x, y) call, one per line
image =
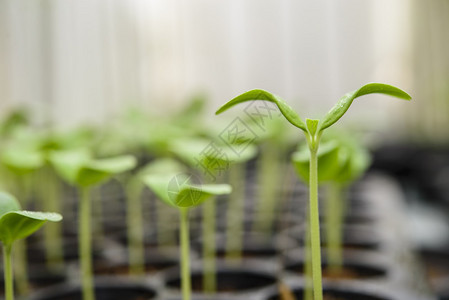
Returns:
point(268, 182)
point(135, 228)
point(334, 222)
point(52, 235)
point(85, 248)
point(20, 255)
point(235, 217)
point(185, 253)
point(209, 277)
point(315, 223)
point(98, 213)
point(8, 274)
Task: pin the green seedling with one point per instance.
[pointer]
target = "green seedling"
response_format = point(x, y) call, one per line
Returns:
point(135, 228)
point(47, 185)
point(313, 130)
point(179, 192)
point(212, 159)
point(235, 212)
point(274, 142)
point(25, 159)
point(79, 168)
point(341, 161)
point(19, 164)
point(16, 224)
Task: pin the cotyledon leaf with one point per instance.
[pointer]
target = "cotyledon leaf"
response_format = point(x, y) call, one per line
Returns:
point(79, 168)
point(68, 162)
point(98, 170)
point(178, 191)
point(327, 162)
point(16, 225)
point(345, 102)
point(193, 195)
point(258, 94)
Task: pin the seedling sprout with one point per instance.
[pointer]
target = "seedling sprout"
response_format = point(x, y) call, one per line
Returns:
point(186, 196)
point(16, 224)
point(313, 130)
point(79, 168)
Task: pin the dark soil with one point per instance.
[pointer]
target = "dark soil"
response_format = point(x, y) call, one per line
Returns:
point(103, 293)
point(332, 295)
point(349, 271)
point(229, 281)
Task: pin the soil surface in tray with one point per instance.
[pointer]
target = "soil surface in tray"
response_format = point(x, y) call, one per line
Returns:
point(327, 295)
point(122, 293)
point(229, 281)
point(349, 271)
point(123, 269)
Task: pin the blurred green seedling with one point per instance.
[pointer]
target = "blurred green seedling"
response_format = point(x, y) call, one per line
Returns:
point(80, 169)
point(341, 160)
point(178, 191)
point(213, 158)
point(16, 224)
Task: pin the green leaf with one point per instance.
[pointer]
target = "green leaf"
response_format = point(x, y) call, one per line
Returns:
point(193, 195)
point(79, 168)
point(68, 163)
point(22, 161)
point(178, 191)
point(345, 102)
point(8, 203)
point(99, 170)
point(356, 162)
point(159, 185)
point(20, 224)
point(257, 94)
point(327, 162)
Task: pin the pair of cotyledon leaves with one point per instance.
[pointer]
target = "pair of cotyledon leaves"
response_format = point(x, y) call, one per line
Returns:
point(78, 167)
point(340, 159)
point(18, 224)
point(171, 183)
point(314, 126)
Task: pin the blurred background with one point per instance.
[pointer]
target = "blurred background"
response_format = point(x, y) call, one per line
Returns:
point(71, 63)
point(85, 61)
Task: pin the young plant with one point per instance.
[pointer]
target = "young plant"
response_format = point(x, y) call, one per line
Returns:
point(212, 159)
point(134, 187)
point(17, 224)
point(79, 168)
point(179, 192)
point(236, 210)
point(20, 163)
point(313, 130)
point(274, 143)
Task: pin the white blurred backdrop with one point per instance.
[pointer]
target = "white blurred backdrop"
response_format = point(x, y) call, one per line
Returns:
point(78, 61)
